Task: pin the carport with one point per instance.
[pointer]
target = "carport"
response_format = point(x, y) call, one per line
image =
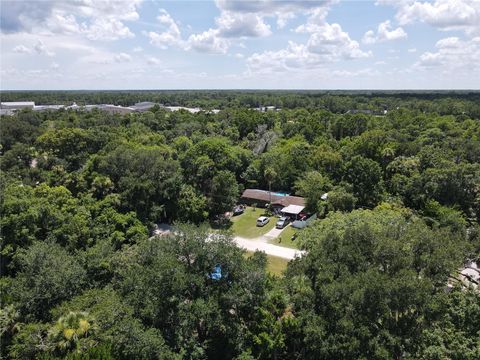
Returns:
point(292, 211)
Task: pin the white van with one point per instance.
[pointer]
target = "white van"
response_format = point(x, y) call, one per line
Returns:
point(262, 221)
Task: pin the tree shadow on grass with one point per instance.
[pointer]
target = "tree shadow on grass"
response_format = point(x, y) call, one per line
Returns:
point(221, 223)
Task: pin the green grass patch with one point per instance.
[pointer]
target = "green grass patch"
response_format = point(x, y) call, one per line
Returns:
point(275, 265)
point(285, 238)
point(245, 225)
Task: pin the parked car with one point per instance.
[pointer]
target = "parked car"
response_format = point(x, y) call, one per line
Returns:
point(282, 222)
point(262, 221)
point(239, 209)
point(302, 216)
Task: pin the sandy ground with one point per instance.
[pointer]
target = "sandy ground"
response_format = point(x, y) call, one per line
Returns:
point(260, 243)
point(272, 234)
point(270, 249)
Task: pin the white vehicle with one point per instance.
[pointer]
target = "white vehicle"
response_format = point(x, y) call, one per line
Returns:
point(262, 221)
point(282, 222)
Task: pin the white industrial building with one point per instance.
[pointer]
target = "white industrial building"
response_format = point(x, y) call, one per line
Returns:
point(48, 107)
point(17, 105)
point(116, 109)
point(177, 108)
point(143, 106)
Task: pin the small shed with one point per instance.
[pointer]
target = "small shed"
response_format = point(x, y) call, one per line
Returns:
point(292, 210)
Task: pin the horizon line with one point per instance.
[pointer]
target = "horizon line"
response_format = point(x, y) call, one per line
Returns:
point(243, 89)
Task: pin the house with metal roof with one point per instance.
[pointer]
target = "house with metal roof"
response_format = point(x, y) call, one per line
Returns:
point(278, 200)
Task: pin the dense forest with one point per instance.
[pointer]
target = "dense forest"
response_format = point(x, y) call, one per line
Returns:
point(81, 192)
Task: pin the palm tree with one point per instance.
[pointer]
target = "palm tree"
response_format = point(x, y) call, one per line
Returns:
point(71, 332)
point(270, 175)
point(9, 324)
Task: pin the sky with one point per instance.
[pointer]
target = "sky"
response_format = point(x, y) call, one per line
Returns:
point(223, 44)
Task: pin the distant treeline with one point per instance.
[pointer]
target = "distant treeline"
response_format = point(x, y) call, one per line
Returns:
point(336, 101)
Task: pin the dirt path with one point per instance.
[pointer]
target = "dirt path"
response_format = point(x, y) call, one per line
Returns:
point(270, 249)
point(259, 243)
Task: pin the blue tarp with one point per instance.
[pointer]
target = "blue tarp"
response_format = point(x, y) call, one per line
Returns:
point(217, 273)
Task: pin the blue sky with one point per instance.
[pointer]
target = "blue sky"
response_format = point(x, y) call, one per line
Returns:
point(223, 44)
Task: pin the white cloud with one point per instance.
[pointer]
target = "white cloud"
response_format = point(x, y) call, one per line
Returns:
point(110, 11)
point(21, 49)
point(237, 20)
point(122, 57)
point(285, 9)
point(384, 33)
point(412, 50)
point(137, 49)
point(429, 59)
point(71, 47)
point(315, 21)
point(18, 16)
point(454, 55)
point(100, 20)
point(329, 44)
point(153, 61)
point(328, 41)
point(235, 25)
point(214, 41)
point(100, 56)
point(450, 42)
point(41, 49)
point(209, 41)
point(107, 29)
point(61, 23)
point(264, 5)
point(119, 9)
point(443, 14)
point(293, 57)
point(353, 74)
point(283, 18)
point(369, 37)
point(246, 19)
point(231, 24)
point(107, 18)
point(170, 37)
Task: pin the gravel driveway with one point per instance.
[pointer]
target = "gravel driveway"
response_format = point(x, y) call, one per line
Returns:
point(269, 249)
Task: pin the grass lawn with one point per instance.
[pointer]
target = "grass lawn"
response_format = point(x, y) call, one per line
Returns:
point(285, 238)
point(275, 265)
point(245, 225)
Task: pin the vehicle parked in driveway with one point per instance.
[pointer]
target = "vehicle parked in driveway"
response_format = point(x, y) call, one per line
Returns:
point(238, 210)
point(282, 222)
point(262, 221)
